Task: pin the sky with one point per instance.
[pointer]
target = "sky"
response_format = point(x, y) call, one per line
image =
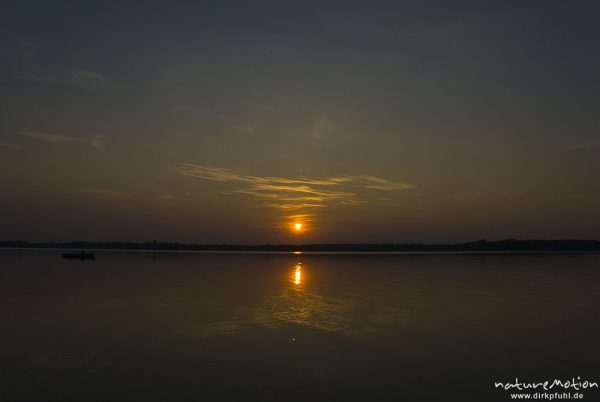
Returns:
point(364, 121)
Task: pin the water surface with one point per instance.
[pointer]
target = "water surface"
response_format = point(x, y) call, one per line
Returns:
point(135, 326)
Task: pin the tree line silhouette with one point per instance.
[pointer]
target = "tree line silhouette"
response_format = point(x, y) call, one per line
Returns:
point(473, 246)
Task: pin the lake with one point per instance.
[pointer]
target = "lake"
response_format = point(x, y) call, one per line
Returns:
point(154, 326)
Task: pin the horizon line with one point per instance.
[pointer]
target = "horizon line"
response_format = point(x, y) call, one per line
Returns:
point(482, 245)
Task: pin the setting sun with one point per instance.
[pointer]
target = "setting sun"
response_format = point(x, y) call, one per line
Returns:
point(298, 226)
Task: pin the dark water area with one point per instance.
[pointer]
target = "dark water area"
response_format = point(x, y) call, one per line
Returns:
point(151, 326)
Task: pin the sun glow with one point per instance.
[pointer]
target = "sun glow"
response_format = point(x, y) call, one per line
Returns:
point(298, 226)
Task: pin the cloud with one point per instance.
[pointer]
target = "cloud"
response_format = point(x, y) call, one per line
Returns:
point(13, 146)
point(302, 193)
point(354, 202)
point(223, 174)
point(303, 189)
point(267, 107)
point(321, 128)
point(102, 192)
point(175, 109)
point(96, 141)
point(378, 183)
point(293, 207)
point(56, 138)
point(231, 123)
point(584, 145)
point(177, 196)
point(75, 78)
point(246, 128)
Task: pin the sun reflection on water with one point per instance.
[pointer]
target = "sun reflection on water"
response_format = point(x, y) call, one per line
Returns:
point(298, 274)
point(300, 304)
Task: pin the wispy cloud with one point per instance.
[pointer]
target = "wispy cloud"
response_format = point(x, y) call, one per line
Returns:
point(242, 127)
point(267, 107)
point(175, 109)
point(378, 183)
point(293, 207)
point(49, 137)
point(295, 194)
point(223, 174)
point(77, 78)
point(234, 124)
point(584, 145)
point(321, 128)
point(96, 141)
point(176, 196)
point(12, 146)
point(102, 192)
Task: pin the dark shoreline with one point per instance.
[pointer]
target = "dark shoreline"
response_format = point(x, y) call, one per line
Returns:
point(508, 245)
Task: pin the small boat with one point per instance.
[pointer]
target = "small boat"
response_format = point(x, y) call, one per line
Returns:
point(79, 256)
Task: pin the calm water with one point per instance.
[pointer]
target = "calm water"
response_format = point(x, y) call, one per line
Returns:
point(260, 327)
